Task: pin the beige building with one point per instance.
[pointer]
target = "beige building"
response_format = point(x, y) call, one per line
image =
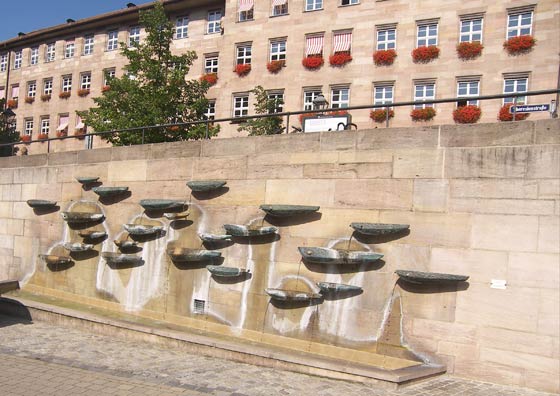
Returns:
point(55, 71)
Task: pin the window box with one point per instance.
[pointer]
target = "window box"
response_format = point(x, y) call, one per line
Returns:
point(425, 54)
point(423, 114)
point(43, 136)
point(313, 62)
point(243, 69)
point(61, 134)
point(64, 95)
point(29, 99)
point(45, 97)
point(384, 57)
point(12, 103)
point(519, 44)
point(83, 92)
point(469, 50)
point(467, 114)
point(105, 88)
point(505, 115)
point(210, 78)
point(380, 115)
point(275, 66)
point(25, 138)
point(339, 59)
point(80, 133)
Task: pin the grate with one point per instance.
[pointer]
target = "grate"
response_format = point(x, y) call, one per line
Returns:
point(199, 306)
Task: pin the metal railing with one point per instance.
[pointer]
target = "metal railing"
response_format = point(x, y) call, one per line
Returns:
point(143, 130)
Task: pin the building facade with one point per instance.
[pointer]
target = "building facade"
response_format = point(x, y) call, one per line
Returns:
point(51, 73)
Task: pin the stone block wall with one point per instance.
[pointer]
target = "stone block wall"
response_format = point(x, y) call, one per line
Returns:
point(481, 200)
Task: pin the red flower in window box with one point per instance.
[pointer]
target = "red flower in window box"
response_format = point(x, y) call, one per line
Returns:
point(79, 133)
point(337, 112)
point(467, 114)
point(519, 44)
point(105, 88)
point(425, 54)
point(12, 103)
point(243, 69)
point(25, 138)
point(83, 92)
point(29, 99)
point(275, 66)
point(61, 133)
point(340, 58)
point(468, 51)
point(45, 97)
point(380, 115)
point(210, 78)
point(43, 136)
point(64, 95)
point(505, 115)
point(313, 62)
point(384, 57)
point(423, 114)
point(305, 115)
point(330, 113)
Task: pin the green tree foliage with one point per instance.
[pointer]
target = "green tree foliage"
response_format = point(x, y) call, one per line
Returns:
point(152, 91)
point(8, 134)
point(263, 105)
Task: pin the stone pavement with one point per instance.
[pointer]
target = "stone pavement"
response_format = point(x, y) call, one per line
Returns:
point(43, 359)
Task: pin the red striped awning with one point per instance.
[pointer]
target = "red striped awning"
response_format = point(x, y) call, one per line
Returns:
point(245, 5)
point(314, 45)
point(278, 3)
point(342, 42)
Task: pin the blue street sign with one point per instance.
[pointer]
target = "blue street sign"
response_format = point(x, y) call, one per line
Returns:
point(530, 108)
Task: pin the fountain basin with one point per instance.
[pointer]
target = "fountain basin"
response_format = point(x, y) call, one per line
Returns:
point(77, 247)
point(82, 217)
point(320, 255)
point(205, 237)
point(292, 295)
point(183, 255)
point(288, 210)
point(92, 234)
point(138, 229)
point(330, 287)
point(87, 179)
point(420, 277)
point(205, 185)
point(123, 244)
point(41, 204)
point(53, 259)
point(226, 272)
point(244, 231)
point(379, 228)
point(109, 191)
point(122, 259)
point(161, 204)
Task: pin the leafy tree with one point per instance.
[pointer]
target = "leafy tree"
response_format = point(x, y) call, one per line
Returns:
point(8, 134)
point(263, 105)
point(153, 90)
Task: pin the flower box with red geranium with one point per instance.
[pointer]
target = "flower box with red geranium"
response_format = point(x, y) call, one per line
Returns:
point(380, 115)
point(467, 114)
point(64, 95)
point(45, 97)
point(506, 115)
point(312, 62)
point(425, 54)
point(423, 114)
point(519, 44)
point(467, 51)
point(43, 136)
point(275, 66)
point(25, 138)
point(105, 88)
point(61, 134)
point(384, 57)
point(326, 113)
point(12, 103)
point(83, 92)
point(243, 69)
point(339, 59)
point(29, 99)
point(79, 133)
point(173, 128)
point(210, 78)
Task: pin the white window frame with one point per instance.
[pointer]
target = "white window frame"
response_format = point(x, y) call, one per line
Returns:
point(3, 62)
point(85, 80)
point(277, 94)
point(18, 59)
point(133, 35)
point(211, 63)
point(280, 10)
point(181, 27)
point(50, 52)
point(67, 83)
point(424, 95)
point(214, 24)
point(340, 97)
point(28, 126)
point(313, 5)
point(277, 49)
point(466, 30)
point(386, 94)
point(248, 15)
point(69, 49)
point(429, 35)
point(349, 2)
point(15, 87)
point(468, 85)
point(45, 125)
point(112, 40)
point(240, 105)
point(210, 112)
point(47, 86)
point(89, 41)
point(515, 25)
point(383, 41)
point(34, 56)
point(309, 96)
point(31, 89)
point(515, 82)
point(110, 72)
point(243, 54)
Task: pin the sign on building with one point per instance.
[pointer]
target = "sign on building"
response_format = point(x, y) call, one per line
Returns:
point(322, 123)
point(529, 108)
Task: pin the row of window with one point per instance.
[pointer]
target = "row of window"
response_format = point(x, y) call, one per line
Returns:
point(45, 124)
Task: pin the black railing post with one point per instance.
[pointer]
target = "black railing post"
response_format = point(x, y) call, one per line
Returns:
point(143, 135)
point(288, 123)
point(207, 129)
point(387, 117)
point(48, 146)
point(514, 109)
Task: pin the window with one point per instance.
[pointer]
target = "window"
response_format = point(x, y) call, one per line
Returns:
point(520, 24)
point(342, 42)
point(69, 49)
point(314, 44)
point(181, 27)
point(245, 10)
point(15, 91)
point(468, 88)
point(210, 113)
point(340, 97)
point(278, 97)
point(427, 35)
point(85, 80)
point(18, 58)
point(211, 64)
point(309, 96)
point(3, 62)
point(47, 86)
point(45, 125)
point(214, 25)
point(28, 126)
point(279, 7)
point(50, 52)
point(240, 105)
point(107, 75)
point(349, 2)
point(63, 120)
point(278, 50)
point(133, 35)
point(88, 44)
point(243, 54)
point(112, 40)
point(424, 91)
point(312, 5)
point(386, 39)
point(471, 30)
point(383, 93)
point(66, 83)
point(34, 56)
point(515, 85)
point(31, 89)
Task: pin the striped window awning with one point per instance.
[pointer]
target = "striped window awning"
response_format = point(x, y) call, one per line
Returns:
point(314, 45)
point(62, 123)
point(245, 5)
point(15, 91)
point(278, 3)
point(342, 41)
